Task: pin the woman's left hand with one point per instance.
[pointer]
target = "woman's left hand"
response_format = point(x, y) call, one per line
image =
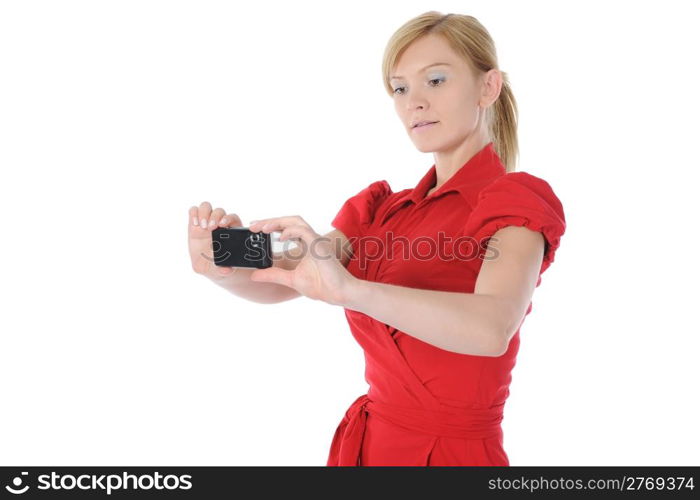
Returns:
point(319, 274)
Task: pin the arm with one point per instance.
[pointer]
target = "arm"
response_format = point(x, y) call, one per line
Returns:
point(480, 323)
point(240, 284)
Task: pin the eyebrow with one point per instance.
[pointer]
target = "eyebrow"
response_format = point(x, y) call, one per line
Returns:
point(428, 66)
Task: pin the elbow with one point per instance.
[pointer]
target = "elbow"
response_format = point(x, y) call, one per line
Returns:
point(501, 330)
point(502, 337)
point(499, 345)
point(500, 350)
point(491, 343)
point(490, 335)
point(498, 339)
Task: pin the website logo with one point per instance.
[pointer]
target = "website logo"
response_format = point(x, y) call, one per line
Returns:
point(107, 483)
point(17, 483)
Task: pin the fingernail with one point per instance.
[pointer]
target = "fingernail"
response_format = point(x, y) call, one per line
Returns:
point(223, 220)
point(211, 222)
point(195, 222)
point(203, 223)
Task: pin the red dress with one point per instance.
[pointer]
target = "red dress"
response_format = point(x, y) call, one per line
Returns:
point(426, 405)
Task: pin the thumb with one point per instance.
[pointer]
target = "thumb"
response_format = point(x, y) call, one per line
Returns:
point(272, 275)
point(225, 270)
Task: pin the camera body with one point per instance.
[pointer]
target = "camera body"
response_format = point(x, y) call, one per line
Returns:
point(241, 247)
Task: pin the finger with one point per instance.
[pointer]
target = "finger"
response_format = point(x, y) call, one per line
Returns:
point(305, 233)
point(272, 275)
point(194, 215)
point(290, 219)
point(214, 218)
point(255, 225)
point(278, 223)
point(230, 220)
point(204, 212)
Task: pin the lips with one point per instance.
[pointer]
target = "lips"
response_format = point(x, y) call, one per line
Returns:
point(420, 124)
point(419, 128)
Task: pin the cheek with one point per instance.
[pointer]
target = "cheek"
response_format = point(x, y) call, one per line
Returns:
point(462, 116)
point(400, 112)
point(452, 106)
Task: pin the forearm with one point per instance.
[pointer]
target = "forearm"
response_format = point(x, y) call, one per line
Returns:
point(465, 323)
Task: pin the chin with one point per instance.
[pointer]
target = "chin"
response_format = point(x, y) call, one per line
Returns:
point(425, 147)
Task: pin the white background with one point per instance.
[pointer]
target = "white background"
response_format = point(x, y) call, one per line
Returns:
point(116, 117)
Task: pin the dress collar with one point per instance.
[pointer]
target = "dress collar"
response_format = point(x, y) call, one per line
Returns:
point(477, 172)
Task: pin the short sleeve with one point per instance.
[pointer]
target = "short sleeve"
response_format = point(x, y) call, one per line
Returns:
point(519, 199)
point(357, 213)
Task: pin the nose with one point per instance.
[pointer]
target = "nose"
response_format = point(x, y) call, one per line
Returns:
point(416, 102)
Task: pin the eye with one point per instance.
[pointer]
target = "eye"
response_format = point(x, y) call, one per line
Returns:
point(439, 80)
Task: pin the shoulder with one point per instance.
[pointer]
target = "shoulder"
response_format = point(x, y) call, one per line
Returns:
point(519, 199)
point(358, 211)
point(367, 199)
point(521, 187)
point(378, 190)
point(375, 191)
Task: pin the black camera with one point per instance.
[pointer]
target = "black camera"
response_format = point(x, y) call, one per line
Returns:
point(241, 247)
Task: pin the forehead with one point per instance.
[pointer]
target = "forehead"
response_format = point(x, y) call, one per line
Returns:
point(427, 50)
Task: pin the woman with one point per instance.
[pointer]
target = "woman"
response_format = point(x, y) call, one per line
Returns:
point(435, 280)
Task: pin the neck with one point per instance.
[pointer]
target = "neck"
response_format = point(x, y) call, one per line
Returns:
point(449, 162)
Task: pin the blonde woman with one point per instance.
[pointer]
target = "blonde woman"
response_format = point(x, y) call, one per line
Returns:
point(435, 280)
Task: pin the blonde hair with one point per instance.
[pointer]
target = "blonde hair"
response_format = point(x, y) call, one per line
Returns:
point(468, 38)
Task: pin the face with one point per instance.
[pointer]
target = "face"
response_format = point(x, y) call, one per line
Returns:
point(447, 94)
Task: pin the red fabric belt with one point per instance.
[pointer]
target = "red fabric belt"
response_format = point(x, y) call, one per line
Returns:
point(466, 423)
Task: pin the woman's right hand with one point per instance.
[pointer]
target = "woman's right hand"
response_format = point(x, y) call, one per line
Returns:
point(202, 221)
